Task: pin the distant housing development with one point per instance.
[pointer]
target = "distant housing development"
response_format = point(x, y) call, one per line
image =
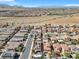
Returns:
point(32, 12)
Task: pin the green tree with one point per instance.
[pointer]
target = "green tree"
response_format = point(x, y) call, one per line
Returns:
point(77, 56)
point(19, 48)
point(67, 54)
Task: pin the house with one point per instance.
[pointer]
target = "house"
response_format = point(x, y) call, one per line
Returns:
point(9, 54)
point(46, 47)
point(37, 55)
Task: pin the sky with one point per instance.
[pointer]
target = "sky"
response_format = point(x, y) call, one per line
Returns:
point(38, 3)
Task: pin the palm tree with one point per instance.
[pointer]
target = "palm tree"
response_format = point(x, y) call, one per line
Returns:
point(35, 39)
point(46, 28)
point(42, 48)
point(51, 44)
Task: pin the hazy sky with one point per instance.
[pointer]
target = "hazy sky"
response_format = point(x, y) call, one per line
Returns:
point(35, 3)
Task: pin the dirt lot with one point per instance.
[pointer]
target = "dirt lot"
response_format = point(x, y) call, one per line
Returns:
point(41, 20)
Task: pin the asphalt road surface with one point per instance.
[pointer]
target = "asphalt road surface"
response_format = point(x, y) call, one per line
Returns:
point(26, 53)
